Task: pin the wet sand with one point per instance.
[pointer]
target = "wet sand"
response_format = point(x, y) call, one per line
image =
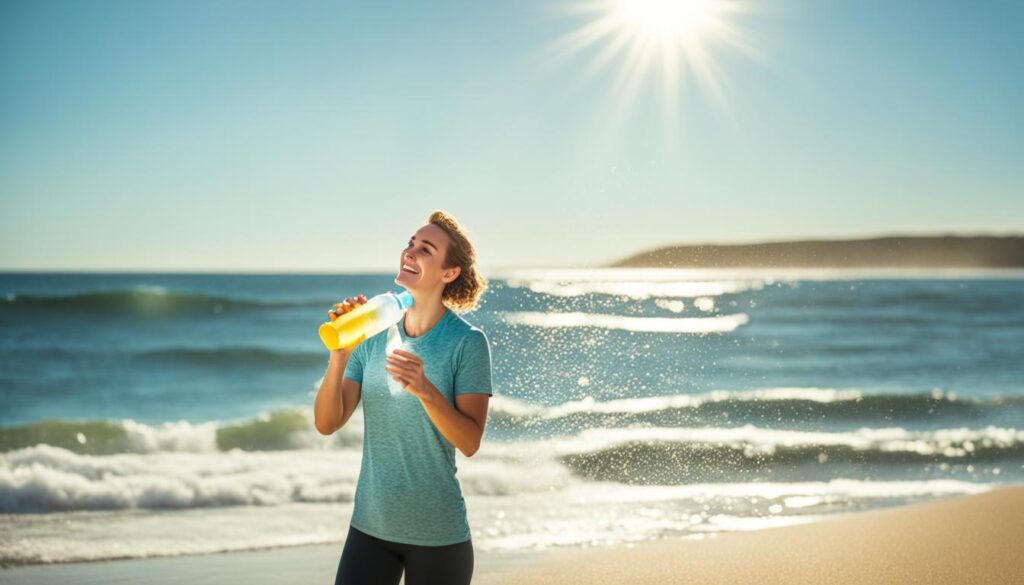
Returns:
point(965, 539)
point(974, 539)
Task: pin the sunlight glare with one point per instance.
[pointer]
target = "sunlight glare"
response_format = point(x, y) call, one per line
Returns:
point(667, 19)
point(666, 40)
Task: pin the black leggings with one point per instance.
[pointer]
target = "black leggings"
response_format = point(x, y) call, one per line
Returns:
point(368, 560)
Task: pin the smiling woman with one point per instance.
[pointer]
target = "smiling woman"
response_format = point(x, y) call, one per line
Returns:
point(409, 514)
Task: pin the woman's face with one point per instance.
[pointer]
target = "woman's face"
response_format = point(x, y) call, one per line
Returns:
point(424, 254)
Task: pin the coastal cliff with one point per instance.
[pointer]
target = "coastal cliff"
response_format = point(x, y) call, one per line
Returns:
point(894, 251)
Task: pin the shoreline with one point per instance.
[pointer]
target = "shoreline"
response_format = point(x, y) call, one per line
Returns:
point(956, 539)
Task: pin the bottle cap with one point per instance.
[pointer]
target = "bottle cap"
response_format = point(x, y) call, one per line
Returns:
point(404, 299)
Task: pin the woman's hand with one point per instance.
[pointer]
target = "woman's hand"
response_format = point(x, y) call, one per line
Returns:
point(407, 369)
point(340, 309)
point(345, 306)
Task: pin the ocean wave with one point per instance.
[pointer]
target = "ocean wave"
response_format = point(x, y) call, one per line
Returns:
point(44, 478)
point(282, 429)
point(215, 357)
point(718, 324)
point(235, 356)
point(293, 427)
point(290, 428)
point(680, 456)
point(141, 300)
point(777, 405)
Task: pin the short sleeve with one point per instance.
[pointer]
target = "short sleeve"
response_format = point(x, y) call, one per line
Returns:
point(354, 366)
point(473, 365)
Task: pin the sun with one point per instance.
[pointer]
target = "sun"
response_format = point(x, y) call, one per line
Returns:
point(668, 20)
point(666, 41)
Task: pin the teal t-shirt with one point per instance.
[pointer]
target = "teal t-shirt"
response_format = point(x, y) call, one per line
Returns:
point(407, 490)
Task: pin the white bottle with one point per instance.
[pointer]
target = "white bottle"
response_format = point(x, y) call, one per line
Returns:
point(366, 320)
point(395, 342)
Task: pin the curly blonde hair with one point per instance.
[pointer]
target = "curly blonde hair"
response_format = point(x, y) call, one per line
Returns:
point(463, 293)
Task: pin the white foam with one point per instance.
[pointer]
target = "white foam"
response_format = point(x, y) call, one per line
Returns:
point(676, 306)
point(638, 290)
point(730, 523)
point(819, 491)
point(499, 404)
point(91, 536)
point(47, 478)
point(596, 514)
point(171, 436)
point(719, 324)
point(756, 441)
point(184, 436)
point(513, 407)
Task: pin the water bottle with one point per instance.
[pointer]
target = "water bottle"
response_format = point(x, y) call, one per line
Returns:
point(395, 342)
point(366, 320)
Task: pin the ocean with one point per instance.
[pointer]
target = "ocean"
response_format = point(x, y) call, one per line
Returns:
point(171, 414)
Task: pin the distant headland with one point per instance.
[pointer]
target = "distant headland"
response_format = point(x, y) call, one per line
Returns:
point(946, 251)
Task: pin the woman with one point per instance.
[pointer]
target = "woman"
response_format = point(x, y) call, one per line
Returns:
point(409, 513)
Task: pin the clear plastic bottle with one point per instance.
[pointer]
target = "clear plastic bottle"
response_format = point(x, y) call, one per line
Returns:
point(366, 320)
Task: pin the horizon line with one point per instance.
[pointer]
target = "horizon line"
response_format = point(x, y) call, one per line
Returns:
point(484, 267)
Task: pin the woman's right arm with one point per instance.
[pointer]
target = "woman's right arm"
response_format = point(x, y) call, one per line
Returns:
point(337, 397)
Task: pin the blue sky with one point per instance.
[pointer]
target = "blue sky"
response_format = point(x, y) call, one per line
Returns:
point(295, 136)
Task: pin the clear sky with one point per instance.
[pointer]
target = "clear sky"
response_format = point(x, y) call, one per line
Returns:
point(293, 136)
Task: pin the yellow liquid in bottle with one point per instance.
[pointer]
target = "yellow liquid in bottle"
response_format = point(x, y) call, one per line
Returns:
point(348, 329)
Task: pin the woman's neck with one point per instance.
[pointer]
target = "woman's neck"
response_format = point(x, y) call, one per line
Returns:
point(423, 315)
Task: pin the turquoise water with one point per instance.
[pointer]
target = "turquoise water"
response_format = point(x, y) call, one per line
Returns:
point(628, 405)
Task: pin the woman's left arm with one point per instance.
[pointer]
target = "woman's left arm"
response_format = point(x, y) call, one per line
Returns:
point(462, 424)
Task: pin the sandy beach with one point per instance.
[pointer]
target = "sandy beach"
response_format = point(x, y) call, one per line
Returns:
point(964, 539)
point(967, 539)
